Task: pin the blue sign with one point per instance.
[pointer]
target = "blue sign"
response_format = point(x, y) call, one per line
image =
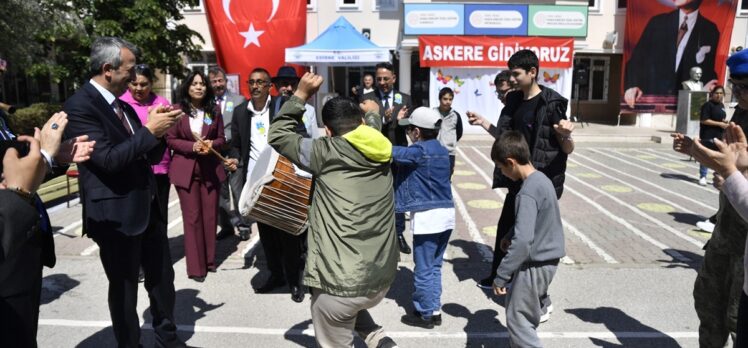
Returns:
point(500, 20)
point(434, 19)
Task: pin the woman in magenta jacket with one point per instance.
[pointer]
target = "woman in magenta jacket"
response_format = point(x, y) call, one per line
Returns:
point(197, 173)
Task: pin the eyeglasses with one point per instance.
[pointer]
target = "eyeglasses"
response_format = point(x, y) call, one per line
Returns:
point(257, 82)
point(385, 79)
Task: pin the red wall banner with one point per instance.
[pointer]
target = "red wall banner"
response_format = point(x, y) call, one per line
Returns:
point(487, 51)
point(251, 34)
point(656, 62)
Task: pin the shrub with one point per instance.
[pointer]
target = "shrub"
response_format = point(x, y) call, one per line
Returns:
point(24, 120)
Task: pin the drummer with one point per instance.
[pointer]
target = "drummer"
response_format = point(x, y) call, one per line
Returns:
point(284, 252)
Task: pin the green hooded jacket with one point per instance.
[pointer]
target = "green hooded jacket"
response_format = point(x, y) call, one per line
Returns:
point(352, 243)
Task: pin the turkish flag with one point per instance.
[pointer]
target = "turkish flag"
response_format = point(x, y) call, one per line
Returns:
point(256, 33)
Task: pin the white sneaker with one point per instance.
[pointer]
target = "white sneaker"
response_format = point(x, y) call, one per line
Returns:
point(547, 315)
point(702, 181)
point(706, 226)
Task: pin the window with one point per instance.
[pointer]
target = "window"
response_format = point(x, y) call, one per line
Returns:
point(743, 9)
point(194, 9)
point(311, 5)
point(384, 5)
point(348, 5)
point(621, 4)
point(594, 87)
point(594, 5)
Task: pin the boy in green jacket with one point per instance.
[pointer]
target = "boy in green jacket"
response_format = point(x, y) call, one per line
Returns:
point(352, 257)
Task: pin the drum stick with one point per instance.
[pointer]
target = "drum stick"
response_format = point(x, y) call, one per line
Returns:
point(213, 151)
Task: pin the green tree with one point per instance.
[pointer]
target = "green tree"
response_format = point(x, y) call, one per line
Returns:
point(64, 37)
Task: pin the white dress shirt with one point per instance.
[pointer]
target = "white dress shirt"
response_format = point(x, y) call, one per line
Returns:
point(691, 22)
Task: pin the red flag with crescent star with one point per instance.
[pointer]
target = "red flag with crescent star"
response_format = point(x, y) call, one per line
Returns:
point(255, 33)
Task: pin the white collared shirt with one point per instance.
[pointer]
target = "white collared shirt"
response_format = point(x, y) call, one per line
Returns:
point(390, 98)
point(690, 22)
point(260, 122)
point(196, 122)
point(110, 98)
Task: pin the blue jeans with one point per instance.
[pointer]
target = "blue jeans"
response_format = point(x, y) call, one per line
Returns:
point(703, 171)
point(428, 253)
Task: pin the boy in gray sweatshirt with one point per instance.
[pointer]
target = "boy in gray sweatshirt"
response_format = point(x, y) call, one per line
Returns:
point(533, 247)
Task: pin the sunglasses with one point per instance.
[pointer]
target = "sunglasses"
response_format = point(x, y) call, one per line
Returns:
point(257, 82)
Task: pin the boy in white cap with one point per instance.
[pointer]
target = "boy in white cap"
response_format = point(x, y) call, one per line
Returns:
point(422, 187)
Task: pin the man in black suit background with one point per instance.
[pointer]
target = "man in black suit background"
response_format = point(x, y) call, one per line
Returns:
point(672, 43)
point(391, 101)
point(118, 192)
point(249, 134)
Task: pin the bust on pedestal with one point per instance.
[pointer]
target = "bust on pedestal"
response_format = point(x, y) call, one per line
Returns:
point(694, 84)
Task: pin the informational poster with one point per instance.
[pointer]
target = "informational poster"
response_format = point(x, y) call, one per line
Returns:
point(664, 40)
point(474, 90)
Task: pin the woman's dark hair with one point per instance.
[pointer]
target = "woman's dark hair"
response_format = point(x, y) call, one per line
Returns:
point(714, 90)
point(184, 93)
point(145, 71)
point(444, 91)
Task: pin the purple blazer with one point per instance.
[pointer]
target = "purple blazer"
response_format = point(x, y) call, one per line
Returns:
point(180, 140)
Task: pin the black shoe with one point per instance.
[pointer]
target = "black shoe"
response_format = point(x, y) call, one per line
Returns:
point(244, 233)
point(225, 233)
point(297, 294)
point(272, 284)
point(416, 319)
point(386, 343)
point(198, 279)
point(486, 283)
point(437, 319)
point(404, 248)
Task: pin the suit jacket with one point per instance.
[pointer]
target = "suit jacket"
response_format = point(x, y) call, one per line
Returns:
point(232, 101)
point(241, 132)
point(392, 130)
point(180, 139)
point(117, 185)
point(652, 64)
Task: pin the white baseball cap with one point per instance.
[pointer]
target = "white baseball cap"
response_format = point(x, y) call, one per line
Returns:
point(423, 117)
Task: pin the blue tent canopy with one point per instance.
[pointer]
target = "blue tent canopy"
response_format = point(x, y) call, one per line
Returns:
point(340, 43)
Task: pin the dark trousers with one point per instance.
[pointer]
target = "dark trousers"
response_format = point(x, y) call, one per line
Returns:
point(122, 257)
point(285, 253)
point(163, 185)
point(742, 332)
point(505, 225)
point(199, 208)
point(20, 291)
point(228, 214)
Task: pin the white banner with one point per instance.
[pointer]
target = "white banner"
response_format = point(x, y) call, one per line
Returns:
point(474, 90)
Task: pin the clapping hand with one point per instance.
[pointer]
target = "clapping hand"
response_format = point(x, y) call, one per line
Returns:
point(682, 143)
point(369, 105)
point(76, 150)
point(161, 118)
point(731, 153)
point(25, 173)
point(403, 113)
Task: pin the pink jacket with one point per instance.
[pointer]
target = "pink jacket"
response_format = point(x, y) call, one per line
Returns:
point(142, 111)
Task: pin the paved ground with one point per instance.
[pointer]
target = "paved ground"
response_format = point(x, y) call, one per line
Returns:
point(629, 212)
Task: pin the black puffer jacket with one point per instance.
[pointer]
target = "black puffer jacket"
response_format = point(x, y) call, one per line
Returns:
point(545, 152)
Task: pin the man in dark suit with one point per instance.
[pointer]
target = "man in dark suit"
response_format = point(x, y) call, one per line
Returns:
point(251, 122)
point(671, 44)
point(228, 214)
point(118, 191)
point(391, 101)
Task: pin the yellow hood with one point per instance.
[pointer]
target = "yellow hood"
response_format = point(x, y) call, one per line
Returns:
point(371, 143)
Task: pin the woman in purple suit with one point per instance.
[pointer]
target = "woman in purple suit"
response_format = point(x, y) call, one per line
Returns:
point(196, 173)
